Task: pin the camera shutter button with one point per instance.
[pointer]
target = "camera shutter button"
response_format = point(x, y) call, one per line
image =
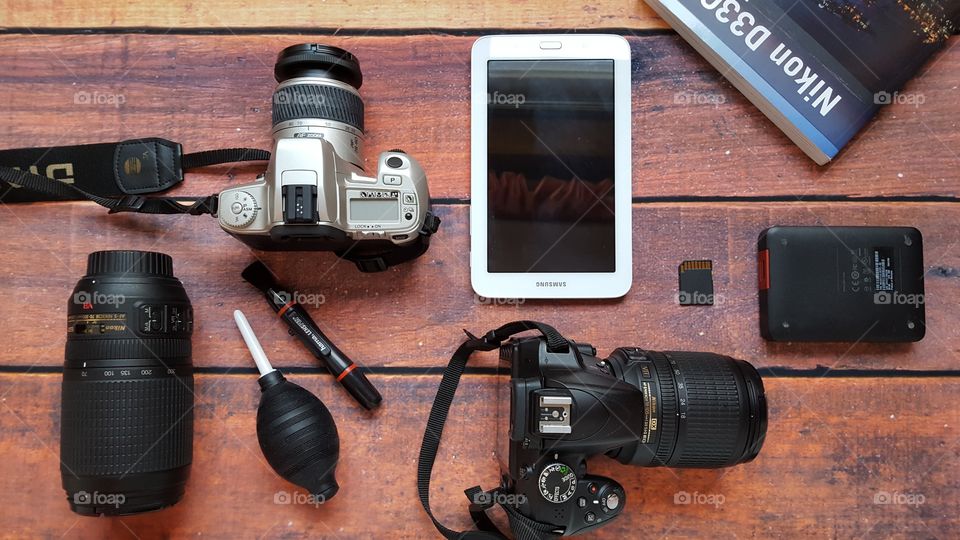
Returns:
point(394, 162)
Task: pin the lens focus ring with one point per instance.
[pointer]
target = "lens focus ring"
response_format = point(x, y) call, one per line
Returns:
point(170, 350)
point(668, 404)
point(317, 101)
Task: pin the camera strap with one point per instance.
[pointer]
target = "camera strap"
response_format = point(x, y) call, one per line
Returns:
point(523, 527)
point(113, 175)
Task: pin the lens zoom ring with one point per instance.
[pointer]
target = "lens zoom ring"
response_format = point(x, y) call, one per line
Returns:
point(126, 427)
point(668, 411)
point(317, 101)
point(124, 349)
point(713, 424)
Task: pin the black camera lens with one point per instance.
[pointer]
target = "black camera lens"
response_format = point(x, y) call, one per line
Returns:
point(126, 437)
point(314, 60)
point(700, 409)
point(318, 82)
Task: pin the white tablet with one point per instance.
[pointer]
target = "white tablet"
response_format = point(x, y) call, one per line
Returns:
point(550, 212)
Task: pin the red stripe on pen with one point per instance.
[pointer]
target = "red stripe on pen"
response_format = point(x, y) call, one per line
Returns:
point(285, 307)
point(345, 372)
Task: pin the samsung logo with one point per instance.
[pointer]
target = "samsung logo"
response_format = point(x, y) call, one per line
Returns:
point(551, 284)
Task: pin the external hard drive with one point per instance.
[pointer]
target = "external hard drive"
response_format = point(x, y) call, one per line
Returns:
point(841, 284)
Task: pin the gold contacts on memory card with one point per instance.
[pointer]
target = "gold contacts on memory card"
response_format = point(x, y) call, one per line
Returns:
point(696, 283)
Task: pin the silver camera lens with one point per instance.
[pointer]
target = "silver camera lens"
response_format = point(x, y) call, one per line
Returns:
point(318, 97)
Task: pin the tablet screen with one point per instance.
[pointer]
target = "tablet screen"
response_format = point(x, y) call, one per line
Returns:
point(550, 166)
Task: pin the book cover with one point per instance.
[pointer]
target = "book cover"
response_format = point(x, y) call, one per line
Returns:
point(820, 69)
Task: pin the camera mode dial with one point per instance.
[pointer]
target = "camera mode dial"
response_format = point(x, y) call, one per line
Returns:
point(241, 210)
point(557, 483)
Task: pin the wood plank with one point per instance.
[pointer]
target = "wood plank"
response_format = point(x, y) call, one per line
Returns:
point(411, 316)
point(694, 135)
point(832, 446)
point(363, 14)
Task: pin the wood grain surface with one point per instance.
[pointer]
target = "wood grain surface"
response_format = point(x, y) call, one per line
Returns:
point(835, 448)
point(412, 315)
point(863, 439)
point(694, 134)
point(330, 14)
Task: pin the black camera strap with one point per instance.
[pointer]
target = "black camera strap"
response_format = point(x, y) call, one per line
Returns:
point(113, 175)
point(523, 527)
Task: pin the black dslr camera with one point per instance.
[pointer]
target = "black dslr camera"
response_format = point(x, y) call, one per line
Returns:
point(646, 408)
point(564, 405)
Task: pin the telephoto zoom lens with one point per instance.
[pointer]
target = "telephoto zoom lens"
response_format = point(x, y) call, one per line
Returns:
point(700, 410)
point(126, 438)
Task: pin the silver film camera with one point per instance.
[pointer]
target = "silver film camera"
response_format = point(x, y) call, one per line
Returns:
point(315, 194)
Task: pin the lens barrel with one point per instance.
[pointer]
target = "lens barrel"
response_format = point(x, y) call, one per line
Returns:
point(701, 410)
point(126, 437)
point(318, 82)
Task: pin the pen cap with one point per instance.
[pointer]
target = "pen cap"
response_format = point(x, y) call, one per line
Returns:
point(360, 388)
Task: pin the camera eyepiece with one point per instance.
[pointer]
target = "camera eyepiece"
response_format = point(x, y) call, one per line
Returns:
point(314, 60)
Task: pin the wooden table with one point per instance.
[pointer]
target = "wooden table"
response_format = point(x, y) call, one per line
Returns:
point(847, 423)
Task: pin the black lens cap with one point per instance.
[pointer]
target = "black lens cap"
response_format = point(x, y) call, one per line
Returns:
point(314, 60)
point(129, 262)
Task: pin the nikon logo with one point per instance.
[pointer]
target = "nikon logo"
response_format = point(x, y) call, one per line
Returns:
point(551, 284)
point(55, 171)
point(380, 194)
point(132, 165)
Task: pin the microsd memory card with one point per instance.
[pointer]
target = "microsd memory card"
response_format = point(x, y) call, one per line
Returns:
point(696, 283)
